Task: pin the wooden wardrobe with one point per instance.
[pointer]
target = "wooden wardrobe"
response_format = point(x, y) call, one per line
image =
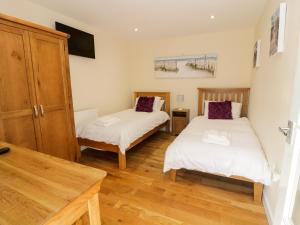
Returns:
point(35, 94)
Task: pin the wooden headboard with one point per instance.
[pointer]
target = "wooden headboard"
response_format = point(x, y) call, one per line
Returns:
point(164, 95)
point(221, 94)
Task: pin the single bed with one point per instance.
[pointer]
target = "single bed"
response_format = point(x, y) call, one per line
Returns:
point(243, 159)
point(133, 127)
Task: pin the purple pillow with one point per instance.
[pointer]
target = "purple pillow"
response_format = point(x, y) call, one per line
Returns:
point(220, 110)
point(145, 104)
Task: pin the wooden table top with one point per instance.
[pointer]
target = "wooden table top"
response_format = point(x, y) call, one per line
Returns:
point(181, 110)
point(35, 187)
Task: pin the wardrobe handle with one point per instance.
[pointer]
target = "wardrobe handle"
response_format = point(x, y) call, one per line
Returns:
point(36, 111)
point(42, 110)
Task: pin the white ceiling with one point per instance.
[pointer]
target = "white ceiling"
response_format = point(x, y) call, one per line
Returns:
point(160, 18)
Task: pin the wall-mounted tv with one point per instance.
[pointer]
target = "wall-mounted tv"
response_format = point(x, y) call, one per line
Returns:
point(80, 43)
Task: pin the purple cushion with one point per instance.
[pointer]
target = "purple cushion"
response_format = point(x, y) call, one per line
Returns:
point(220, 110)
point(145, 104)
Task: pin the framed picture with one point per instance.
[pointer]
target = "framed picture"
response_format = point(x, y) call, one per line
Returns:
point(198, 66)
point(277, 29)
point(256, 56)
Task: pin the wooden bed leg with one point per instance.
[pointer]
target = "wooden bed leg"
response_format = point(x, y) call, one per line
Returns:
point(168, 127)
point(173, 174)
point(258, 192)
point(122, 160)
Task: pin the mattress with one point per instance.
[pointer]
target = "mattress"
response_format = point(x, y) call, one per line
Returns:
point(132, 126)
point(243, 157)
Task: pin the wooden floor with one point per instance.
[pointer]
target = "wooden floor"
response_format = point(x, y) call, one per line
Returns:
point(143, 195)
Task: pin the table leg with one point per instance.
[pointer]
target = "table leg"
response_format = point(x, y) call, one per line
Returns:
point(94, 210)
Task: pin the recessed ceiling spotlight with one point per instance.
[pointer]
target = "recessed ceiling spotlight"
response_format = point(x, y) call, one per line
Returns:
point(212, 17)
point(136, 29)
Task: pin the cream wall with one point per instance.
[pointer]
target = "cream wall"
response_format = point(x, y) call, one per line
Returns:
point(234, 49)
point(272, 88)
point(101, 83)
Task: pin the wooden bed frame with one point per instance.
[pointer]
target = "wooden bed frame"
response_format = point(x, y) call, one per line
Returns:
point(232, 94)
point(102, 146)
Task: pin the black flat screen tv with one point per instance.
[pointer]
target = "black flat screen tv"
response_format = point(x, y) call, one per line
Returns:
point(80, 43)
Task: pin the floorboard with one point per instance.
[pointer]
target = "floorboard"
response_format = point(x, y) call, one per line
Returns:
point(143, 195)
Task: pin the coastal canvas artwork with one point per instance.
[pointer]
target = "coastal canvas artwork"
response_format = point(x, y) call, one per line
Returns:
point(256, 57)
point(277, 29)
point(200, 66)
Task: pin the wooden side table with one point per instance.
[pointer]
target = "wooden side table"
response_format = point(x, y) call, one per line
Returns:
point(180, 119)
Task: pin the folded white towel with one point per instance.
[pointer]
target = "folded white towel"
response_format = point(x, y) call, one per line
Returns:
point(106, 121)
point(217, 137)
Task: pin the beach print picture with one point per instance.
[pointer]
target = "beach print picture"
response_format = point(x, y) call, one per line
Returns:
point(256, 56)
point(200, 66)
point(277, 30)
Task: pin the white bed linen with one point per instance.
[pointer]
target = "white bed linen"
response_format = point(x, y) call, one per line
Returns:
point(83, 117)
point(132, 125)
point(244, 157)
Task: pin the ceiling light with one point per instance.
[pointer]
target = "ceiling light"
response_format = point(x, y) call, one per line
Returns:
point(212, 17)
point(136, 29)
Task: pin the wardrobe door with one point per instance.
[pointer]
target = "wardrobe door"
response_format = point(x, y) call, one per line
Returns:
point(18, 121)
point(52, 84)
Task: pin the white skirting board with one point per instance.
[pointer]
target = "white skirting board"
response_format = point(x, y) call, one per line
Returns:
point(268, 209)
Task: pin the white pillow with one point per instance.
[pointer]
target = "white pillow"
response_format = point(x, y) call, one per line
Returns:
point(236, 109)
point(84, 117)
point(156, 104)
point(206, 108)
point(136, 101)
point(160, 105)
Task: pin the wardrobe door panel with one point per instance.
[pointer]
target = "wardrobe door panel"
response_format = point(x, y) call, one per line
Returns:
point(18, 123)
point(20, 131)
point(56, 134)
point(14, 72)
point(50, 71)
point(49, 65)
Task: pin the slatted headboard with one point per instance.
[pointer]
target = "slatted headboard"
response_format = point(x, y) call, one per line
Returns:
point(221, 94)
point(164, 95)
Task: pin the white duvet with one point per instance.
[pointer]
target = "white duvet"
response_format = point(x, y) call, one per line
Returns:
point(132, 125)
point(243, 157)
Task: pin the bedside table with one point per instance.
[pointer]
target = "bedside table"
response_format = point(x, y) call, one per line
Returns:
point(180, 119)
